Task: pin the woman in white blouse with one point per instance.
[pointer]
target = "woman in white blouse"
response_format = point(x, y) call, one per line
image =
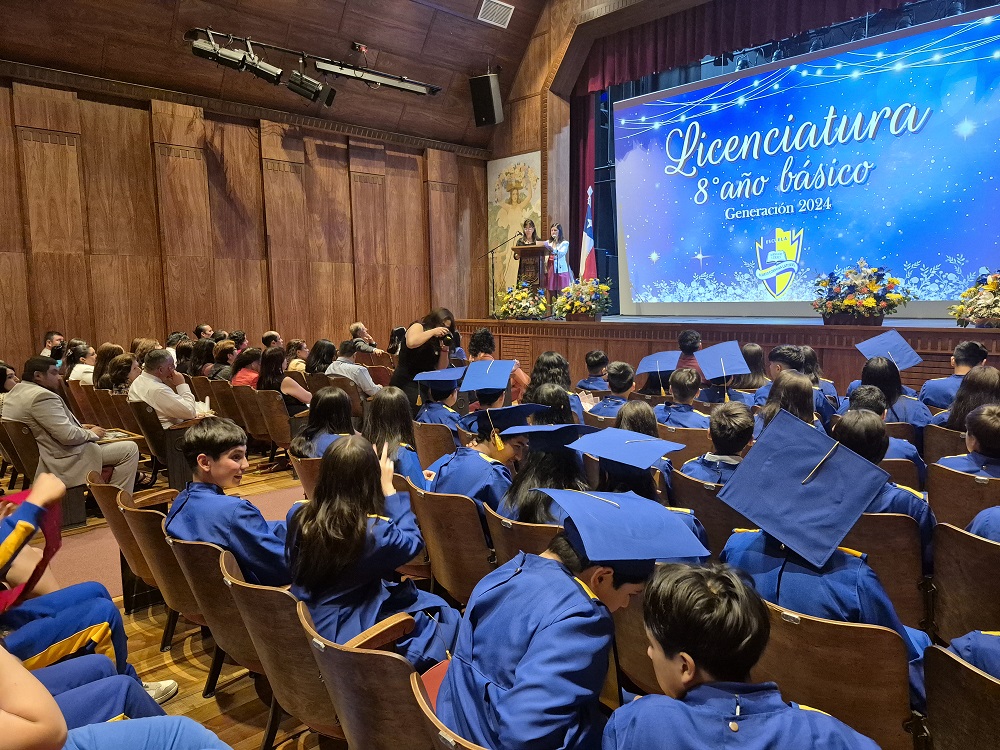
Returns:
point(82, 360)
point(558, 274)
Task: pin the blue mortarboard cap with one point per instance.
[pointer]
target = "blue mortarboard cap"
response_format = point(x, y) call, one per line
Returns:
point(803, 487)
point(441, 379)
point(722, 360)
point(625, 447)
point(549, 437)
point(659, 362)
point(487, 375)
point(893, 347)
point(506, 417)
point(624, 530)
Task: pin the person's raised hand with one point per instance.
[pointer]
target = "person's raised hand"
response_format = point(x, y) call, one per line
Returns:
point(441, 331)
point(176, 379)
point(388, 469)
point(46, 490)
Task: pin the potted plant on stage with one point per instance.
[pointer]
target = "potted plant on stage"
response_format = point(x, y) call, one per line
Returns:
point(584, 300)
point(979, 305)
point(860, 296)
point(522, 302)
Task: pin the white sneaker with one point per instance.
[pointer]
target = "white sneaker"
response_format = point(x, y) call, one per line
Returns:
point(161, 691)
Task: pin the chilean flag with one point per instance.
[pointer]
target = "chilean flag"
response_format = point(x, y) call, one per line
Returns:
point(588, 259)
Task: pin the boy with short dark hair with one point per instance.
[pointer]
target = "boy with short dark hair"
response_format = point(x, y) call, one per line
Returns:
point(872, 399)
point(707, 628)
point(982, 439)
point(940, 392)
point(689, 342)
point(442, 389)
point(621, 381)
point(685, 383)
point(597, 372)
point(789, 357)
point(731, 428)
point(216, 450)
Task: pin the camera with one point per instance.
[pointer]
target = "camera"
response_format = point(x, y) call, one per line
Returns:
point(448, 340)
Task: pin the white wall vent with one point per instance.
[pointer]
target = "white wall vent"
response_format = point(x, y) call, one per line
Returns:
point(495, 13)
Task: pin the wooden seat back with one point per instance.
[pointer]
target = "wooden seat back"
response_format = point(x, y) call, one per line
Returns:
point(106, 402)
point(79, 403)
point(253, 420)
point(696, 442)
point(124, 411)
point(371, 687)
point(9, 454)
point(444, 738)
point(271, 618)
point(349, 387)
point(275, 416)
point(307, 470)
point(597, 421)
point(371, 359)
point(106, 497)
point(901, 431)
point(966, 591)
point(631, 645)
point(962, 702)
point(718, 518)
point(857, 673)
point(299, 376)
point(22, 442)
point(86, 393)
point(592, 470)
point(317, 381)
point(432, 442)
point(956, 497)
point(380, 375)
point(512, 537)
point(648, 398)
point(149, 427)
point(902, 471)
point(892, 543)
point(454, 540)
point(201, 563)
point(703, 406)
point(465, 437)
point(202, 388)
point(940, 442)
point(224, 402)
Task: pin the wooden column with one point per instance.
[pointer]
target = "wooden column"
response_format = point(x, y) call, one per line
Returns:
point(449, 268)
point(17, 334)
point(371, 255)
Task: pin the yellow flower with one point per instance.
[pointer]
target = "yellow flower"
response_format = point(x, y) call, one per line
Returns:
point(870, 302)
point(894, 297)
point(604, 288)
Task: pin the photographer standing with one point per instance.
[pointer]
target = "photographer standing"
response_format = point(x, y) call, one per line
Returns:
point(425, 348)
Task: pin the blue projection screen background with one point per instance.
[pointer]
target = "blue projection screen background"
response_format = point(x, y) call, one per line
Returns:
point(745, 190)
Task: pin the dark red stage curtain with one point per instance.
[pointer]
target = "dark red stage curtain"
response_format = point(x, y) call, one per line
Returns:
point(581, 170)
point(714, 28)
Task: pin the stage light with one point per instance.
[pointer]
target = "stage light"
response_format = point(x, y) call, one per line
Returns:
point(261, 69)
point(956, 8)
point(375, 77)
point(223, 56)
point(779, 54)
point(817, 44)
point(305, 86)
point(904, 22)
point(743, 63)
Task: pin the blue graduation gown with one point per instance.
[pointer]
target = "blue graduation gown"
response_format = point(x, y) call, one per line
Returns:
point(973, 463)
point(204, 513)
point(323, 441)
point(530, 662)
point(639, 481)
point(716, 472)
point(576, 405)
point(895, 498)
point(160, 732)
point(680, 415)
point(408, 465)
point(821, 405)
point(437, 413)
point(941, 418)
point(981, 649)
point(361, 597)
point(907, 391)
point(986, 524)
point(608, 406)
point(940, 392)
point(909, 409)
point(593, 383)
point(715, 395)
point(899, 448)
point(701, 721)
point(758, 425)
point(845, 589)
point(474, 474)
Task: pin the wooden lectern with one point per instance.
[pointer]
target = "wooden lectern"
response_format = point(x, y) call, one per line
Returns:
point(531, 263)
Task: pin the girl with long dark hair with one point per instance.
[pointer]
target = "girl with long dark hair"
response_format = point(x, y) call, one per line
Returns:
point(343, 548)
point(980, 386)
point(815, 373)
point(273, 378)
point(105, 353)
point(202, 358)
point(390, 422)
point(329, 419)
point(246, 367)
point(751, 381)
point(551, 465)
point(558, 274)
point(80, 362)
point(552, 367)
point(323, 352)
point(792, 391)
point(882, 373)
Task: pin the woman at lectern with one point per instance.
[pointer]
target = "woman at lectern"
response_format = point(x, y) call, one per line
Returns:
point(529, 235)
point(557, 271)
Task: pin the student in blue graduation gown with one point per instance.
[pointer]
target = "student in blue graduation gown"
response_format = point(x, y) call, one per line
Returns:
point(684, 387)
point(552, 368)
point(597, 372)
point(787, 486)
point(941, 392)
point(721, 365)
point(533, 647)
point(884, 375)
point(855, 384)
point(788, 357)
point(791, 392)
point(329, 419)
point(871, 398)
point(621, 381)
point(344, 546)
point(638, 416)
point(812, 369)
point(707, 628)
point(980, 386)
point(982, 439)
point(389, 421)
point(981, 649)
point(730, 429)
point(442, 390)
point(485, 399)
point(216, 449)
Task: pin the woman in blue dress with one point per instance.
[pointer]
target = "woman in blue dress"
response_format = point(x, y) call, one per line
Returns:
point(390, 422)
point(329, 419)
point(344, 547)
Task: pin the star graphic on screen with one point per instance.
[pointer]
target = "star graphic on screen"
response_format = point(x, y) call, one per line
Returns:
point(700, 257)
point(965, 128)
point(654, 256)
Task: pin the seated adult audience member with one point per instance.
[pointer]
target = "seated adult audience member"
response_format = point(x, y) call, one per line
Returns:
point(362, 339)
point(239, 339)
point(345, 367)
point(344, 546)
point(982, 440)
point(296, 353)
point(216, 451)
point(329, 420)
point(442, 393)
point(65, 447)
point(424, 347)
point(53, 340)
point(882, 373)
point(940, 392)
point(144, 347)
point(121, 373)
point(793, 392)
point(224, 354)
point(323, 352)
point(105, 353)
point(685, 383)
point(202, 358)
point(76, 349)
point(863, 432)
point(273, 378)
point(689, 342)
point(81, 364)
point(552, 368)
point(788, 357)
point(707, 628)
point(246, 367)
point(482, 345)
point(753, 354)
point(8, 379)
point(173, 340)
point(203, 331)
point(163, 388)
point(185, 351)
point(980, 386)
point(621, 382)
point(597, 372)
point(731, 429)
point(389, 421)
point(871, 398)
point(272, 338)
point(219, 335)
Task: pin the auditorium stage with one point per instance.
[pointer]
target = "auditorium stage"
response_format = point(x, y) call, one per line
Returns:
point(631, 338)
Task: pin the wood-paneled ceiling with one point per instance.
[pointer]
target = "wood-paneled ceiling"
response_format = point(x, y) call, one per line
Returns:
point(142, 42)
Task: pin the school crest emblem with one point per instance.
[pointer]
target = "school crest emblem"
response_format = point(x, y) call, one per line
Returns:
point(778, 260)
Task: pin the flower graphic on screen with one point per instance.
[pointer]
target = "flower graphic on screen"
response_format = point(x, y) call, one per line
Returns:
point(778, 260)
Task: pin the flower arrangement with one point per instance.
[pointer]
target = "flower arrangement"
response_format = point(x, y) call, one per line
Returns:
point(522, 301)
point(862, 292)
point(586, 297)
point(980, 303)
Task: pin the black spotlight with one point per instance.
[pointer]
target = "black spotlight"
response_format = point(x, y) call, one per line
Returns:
point(305, 86)
point(743, 63)
point(955, 8)
point(779, 54)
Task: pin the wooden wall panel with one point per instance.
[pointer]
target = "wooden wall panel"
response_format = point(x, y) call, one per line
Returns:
point(16, 340)
point(409, 287)
point(118, 180)
point(368, 219)
point(127, 293)
point(189, 291)
point(473, 238)
point(58, 291)
point(372, 304)
point(235, 189)
point(405, 213)
point(46, 109)
point(449, 276)
point(281, 142)
point(328, 200)
point(52, 192)
point(241, 298)
point(178, 124)
point(556, 176)
point(367, 156)
point(11, 221)
point(182, 198)
point(333, 304)
point(285, 209)
point(292, 299)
